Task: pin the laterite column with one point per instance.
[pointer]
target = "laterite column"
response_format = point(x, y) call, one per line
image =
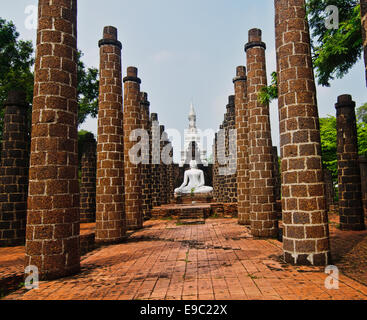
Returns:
point(88, 181)
point(243, 181)
point(264, 222)
point(110, 214)
point(14, 171)
point(163, 169)
point(133, 204)
point(155, 150)
point(146, 168)
point(306, 230)
point(349, 175)
point(52, 233)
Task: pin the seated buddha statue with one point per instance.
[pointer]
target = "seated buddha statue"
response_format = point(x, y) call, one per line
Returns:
point(194, 181)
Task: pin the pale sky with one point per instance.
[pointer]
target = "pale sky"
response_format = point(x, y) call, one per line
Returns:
point(185, 50)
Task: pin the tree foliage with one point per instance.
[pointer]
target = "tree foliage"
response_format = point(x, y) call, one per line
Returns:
point(335, 51)
point(328, 132)
point(16, 62)
point(88, 90)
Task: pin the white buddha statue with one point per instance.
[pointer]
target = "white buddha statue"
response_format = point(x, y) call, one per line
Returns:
point(194, 181)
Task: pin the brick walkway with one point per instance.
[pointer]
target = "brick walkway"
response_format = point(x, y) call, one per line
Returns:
point(218, 260)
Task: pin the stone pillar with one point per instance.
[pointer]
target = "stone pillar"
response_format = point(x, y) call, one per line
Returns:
point(88, 181)
point(231, 178)
point(133, 205)
point(306, 231)
point(163, 170)
point(276, 174)
point(52, 233)
point(14, 171)
point(363, 166)
point(349, 176)
point(364, 30)
point(329, 189)
point(110, 214)
point(264, 222)
point(156, 172)
point(243, 181)
point(146, 167)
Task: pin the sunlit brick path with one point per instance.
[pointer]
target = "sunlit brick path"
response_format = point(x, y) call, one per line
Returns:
point(218, 260)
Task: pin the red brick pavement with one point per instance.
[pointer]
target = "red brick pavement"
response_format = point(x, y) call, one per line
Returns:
point(219, 260)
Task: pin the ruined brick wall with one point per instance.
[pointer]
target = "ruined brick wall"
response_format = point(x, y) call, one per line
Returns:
point(363, 167)
point(133, 204)
point(14, 171)
point(263, 216)
point(349, 176)
point(305, 221)
point(52, 233)
point(224, 177)
point(230, 180)
point(110, 213)
point(364, 30)
point(88, 181)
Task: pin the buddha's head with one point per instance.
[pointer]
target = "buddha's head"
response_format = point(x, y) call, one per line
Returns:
point(193, 164)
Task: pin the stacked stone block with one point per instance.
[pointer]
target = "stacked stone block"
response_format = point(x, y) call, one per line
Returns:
point(230, 180)
point(243, 181)
point(156, 172)
point(110, 214)
point(329, 189)
point(163, 170)
point(349, 177)
point(133, 204)
point(263, 216)
point(52, 233)
point(88, 181)
point(14, 171)
point(306, 234)
point(276, 175)
point(146, 168)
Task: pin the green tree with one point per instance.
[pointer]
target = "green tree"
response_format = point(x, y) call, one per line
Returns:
point(16, 62)
point(88, 90)
point(335, 51)
point(328, 133)
point(362, 113)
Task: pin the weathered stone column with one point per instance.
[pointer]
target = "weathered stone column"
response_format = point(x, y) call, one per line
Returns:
point(14, 171)
point(364, 30)
point(88, 181)
point(276, 174)
point(163, 170)
point(306, 231)
point(52, 233)
point(349, 175)
point(146, 167)
point(156, 172)
point(243, 181)
point(264, 222)
point(133, 205)
point(110, 213)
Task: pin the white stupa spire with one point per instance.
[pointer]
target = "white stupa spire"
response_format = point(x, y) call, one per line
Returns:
point(192, 117)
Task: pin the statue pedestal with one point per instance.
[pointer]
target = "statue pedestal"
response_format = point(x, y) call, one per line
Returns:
point(193, 198)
